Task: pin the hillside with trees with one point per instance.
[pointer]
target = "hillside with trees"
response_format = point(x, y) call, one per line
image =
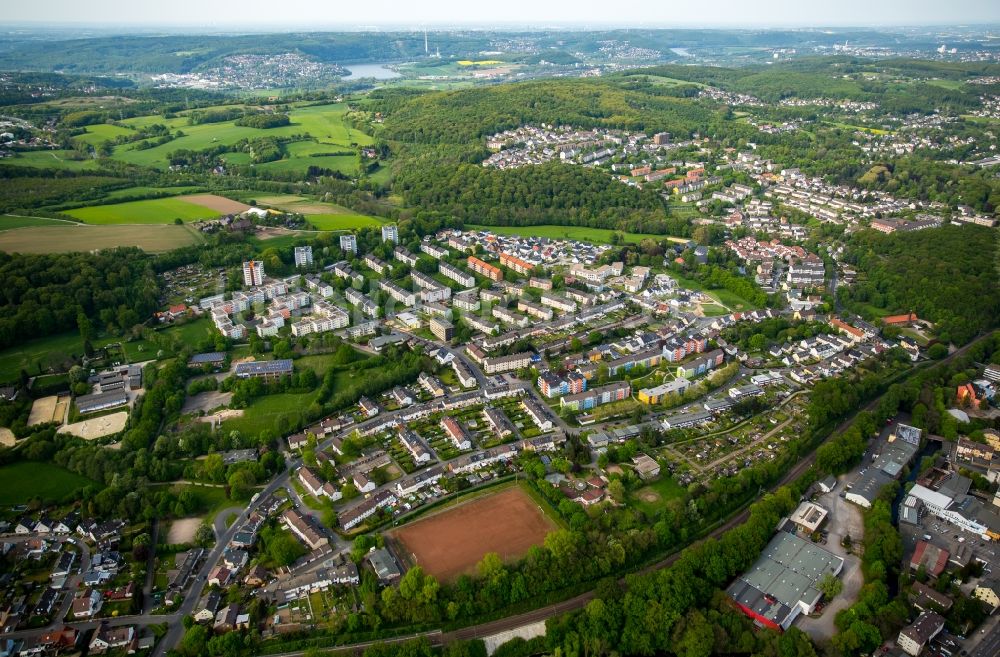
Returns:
point(473, 114)
point(947, 276)
point(550, 193)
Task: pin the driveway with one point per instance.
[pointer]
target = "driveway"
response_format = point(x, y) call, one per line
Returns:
point(844, 519)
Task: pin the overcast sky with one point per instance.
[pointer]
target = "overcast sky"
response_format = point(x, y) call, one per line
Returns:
point(539, 13)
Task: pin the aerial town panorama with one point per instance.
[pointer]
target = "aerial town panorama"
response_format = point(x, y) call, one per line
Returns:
point(471, 340)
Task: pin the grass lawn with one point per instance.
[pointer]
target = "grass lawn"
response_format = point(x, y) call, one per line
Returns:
point(382, 175)
point(582, 234)
point(150, 211)
point(191, 332)
point(871, 310)
point(10, 221)
point(323, 362)
point(342, 221)
point(848, 126)
point(28, 479)
point(50, 160)
point(211, 499)
point(67, 237)
point(265, 413)
point(50, 351)
point(663, 490)
point(54, 351)
point(732, 300)
point(721, 295)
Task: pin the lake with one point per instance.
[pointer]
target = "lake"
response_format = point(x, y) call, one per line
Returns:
point(377, 71)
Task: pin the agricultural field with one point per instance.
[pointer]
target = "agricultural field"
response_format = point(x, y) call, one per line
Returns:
point(582, 234)
point(12, 221)
point(152, 211)
point(451, 542)
point(28, 479)
point(69, 237)
point(322, 215)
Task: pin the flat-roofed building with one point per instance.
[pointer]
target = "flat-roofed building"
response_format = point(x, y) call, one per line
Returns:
point(596, 396)
point(809, 516)
point(304, 254)
point(686, 420)
point(253, 273)
point(783, 582)
point(101, 401)
point(349, 244)
point(264, 369)
point(442, 329)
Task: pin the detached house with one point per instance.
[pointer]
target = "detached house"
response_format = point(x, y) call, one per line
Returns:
point(87, 604)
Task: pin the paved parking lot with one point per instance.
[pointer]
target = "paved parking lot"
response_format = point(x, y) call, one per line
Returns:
point(947, 536)
point(844, 519)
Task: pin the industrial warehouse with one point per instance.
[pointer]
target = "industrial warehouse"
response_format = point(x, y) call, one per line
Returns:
point(782, 583)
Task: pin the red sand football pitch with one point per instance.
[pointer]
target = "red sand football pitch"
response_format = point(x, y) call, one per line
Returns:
point(452, 542)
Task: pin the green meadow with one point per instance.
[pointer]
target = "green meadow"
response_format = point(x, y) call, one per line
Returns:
point(324, 124)
point(28, 479)
point(51, 160)
point(150, 211)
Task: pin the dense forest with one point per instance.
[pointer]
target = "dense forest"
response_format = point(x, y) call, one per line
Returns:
point(947, 276)
point(470, 115)
point(550, 193)
point(46, 294)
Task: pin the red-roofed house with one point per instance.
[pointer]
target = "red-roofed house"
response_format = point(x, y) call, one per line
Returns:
point(967, 393)
point(900, 320)
point(931, 557)
point(177, 311)
point(844, 327)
